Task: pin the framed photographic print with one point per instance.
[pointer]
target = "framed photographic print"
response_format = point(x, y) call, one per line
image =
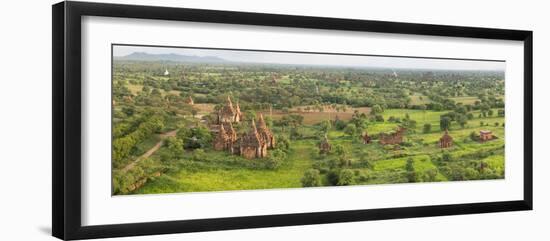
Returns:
point(170, 120)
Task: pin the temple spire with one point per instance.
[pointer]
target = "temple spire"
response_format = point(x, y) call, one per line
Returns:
point(222, 134)
point(254, 126)
point(261, 121)
point(229, 103)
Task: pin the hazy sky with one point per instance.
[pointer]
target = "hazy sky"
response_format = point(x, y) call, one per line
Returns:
point(319, 59)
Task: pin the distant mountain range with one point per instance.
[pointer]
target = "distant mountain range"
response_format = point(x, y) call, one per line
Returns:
point(142, 56)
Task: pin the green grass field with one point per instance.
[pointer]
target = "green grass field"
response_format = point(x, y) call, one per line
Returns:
point(466, 100)
point(388, 163)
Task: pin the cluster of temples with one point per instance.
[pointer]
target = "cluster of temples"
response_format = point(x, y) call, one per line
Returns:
point(252, 144)
point(397, 137)
point(258, 139)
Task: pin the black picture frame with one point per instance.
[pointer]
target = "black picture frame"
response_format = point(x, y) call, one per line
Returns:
point(66, 168)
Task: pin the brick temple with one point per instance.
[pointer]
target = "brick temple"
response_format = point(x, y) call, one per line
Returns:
point(392, 138)
point(252, 144)
point(446, 140)
point(228, 113)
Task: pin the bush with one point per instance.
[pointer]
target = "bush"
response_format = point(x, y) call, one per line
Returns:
point(175, 145)
point(199, 155)
point(272, 163)
point(446, 157)
point(333, 177)
point(430, 175)
point(276, 157)
point(427, 128)
point(406, 143)
point(366, 163)
point(339, 125)
point(311, 178)
point(364, 176)
point(350, 130)
point(346, 177)
point(296, 133)
point(474, 136)
point(411, 172)
point(197, 137)
point(283, 143)
point(471, 174)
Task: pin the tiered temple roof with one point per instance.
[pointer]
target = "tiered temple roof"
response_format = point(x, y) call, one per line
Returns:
point(366, 138)
point(324, 146)
point(446, 140)
point(226, 138)
point(265, 133)
point(189, 101)
point(252, 145)
point(228, 113)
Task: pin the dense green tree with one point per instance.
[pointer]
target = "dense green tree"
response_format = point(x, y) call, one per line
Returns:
point(430, 175)
point(445, 123)
point(350, 130)
point(325, 126)
point(311, 178)
point(446, 157)
point(474, 136)
point(340, 151)
point(376, 109)
point(346, 177)
point(175, 145)
point(462, 120)
point(427, 128)
point(411, 172)
point(196, 137)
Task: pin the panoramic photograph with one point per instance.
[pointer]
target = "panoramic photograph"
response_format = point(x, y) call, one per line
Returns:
point(199, 120)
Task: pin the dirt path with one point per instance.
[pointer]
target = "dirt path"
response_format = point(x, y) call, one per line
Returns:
point(150, 152)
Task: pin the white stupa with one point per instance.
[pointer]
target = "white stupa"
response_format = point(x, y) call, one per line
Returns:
point(166, 72)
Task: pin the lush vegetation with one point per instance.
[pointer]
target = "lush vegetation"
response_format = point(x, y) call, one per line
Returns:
point(162, 144)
